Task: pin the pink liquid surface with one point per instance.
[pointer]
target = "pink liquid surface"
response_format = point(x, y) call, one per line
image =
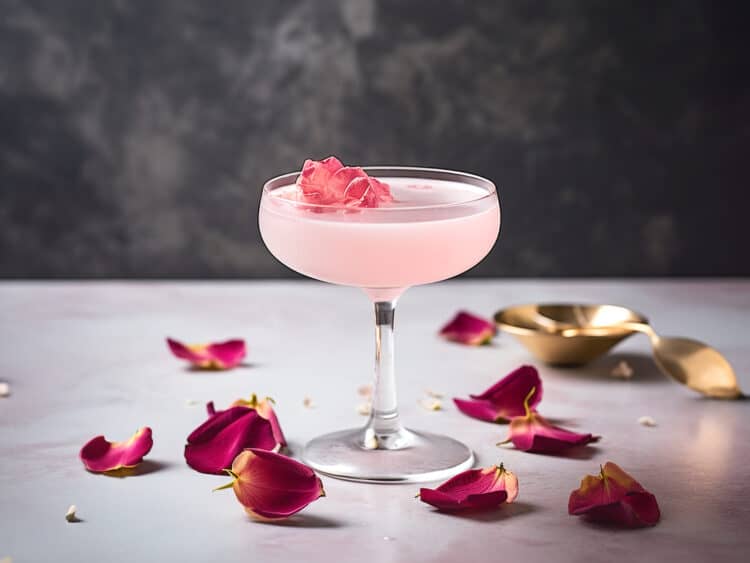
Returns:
point(434, 230)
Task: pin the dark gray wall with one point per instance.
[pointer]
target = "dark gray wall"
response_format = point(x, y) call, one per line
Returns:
point(135, 136)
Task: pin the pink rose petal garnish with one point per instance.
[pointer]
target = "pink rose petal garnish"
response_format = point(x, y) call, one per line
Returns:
point(329, 182)
point(313, 181)
point(469, 329)
point(533, 433)
point(212, 446)
point(216, 356)
point(99, 455)
point(272, 486)
point(505, 399)
point(614, 497)
point(474, 488)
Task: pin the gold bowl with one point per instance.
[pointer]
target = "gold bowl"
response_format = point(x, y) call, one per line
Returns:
point(545, 329)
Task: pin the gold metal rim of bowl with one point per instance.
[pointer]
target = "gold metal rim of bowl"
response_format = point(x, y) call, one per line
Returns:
point(583, 312)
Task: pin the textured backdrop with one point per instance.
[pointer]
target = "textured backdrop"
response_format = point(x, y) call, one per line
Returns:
point(135, 136)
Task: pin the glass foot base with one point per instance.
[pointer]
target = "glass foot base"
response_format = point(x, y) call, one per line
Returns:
point(427, 457)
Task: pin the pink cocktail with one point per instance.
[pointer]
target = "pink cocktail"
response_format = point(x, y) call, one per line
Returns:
point(439, 224)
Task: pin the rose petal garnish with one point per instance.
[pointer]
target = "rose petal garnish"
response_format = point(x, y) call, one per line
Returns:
point(99, 455)
point(312, 183)
point(505, 399)
point(212, 446)
point(329, 182)
point(70, 515)
point(474, 488)
point(469, 329)
point(272, 486)
point(216, 356)
point(614, 497)
point(533, 433)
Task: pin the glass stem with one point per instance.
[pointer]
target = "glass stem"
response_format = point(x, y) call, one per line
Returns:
point(384, 429)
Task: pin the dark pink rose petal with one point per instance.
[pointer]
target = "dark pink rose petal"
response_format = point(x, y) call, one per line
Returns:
point(216, 356)
point(614, 497)
point(473, 489)
point(214, 444)
point(468, 329)
point(265, 409)
point(533, 433)
point(99, 455)
point(271, 486)
point(504, 400)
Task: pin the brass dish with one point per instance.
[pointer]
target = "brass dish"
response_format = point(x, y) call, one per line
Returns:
point(570, 334)
point(539, 328)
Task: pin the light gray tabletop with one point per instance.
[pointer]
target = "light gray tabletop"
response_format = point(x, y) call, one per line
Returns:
point(89, 358)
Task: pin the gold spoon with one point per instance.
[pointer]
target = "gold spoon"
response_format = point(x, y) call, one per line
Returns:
point(687, 361)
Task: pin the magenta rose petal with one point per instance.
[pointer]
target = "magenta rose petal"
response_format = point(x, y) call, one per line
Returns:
point(469, 329)
point(505, 399)
point(212, 446)
point(473, 489)
point(328, 182)
point(313, 181)
point(215, 356)
point(272, 486)
point(614, 497)
point(99, 455)
point(533, 433)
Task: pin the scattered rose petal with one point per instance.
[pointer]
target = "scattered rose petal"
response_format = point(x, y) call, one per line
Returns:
point(614, 497)
point(434, 394)
point(216, 356)
point(622, 370)
point(99, 455)
point(212, 446)
point(4, 389)
point(474, 488)
point(70, 515)
point(365, 390)
point(533, 433)
point(505, 399)
point(469, 329)
point(431, 404)
point(307, 402)
point(365, 409)
point(329, 182)
point(271, 486)
point(646, 421)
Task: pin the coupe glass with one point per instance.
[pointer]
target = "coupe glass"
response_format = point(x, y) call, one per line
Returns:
point(441, 224)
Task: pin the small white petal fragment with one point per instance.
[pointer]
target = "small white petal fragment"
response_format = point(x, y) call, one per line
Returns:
point(431, 404)
point(364, 409)
point(307, 402)
point(371, 441)
point(622, 370)
point(647, 421)
point(365, 390)
point(389, 538)
point(434, 394)
point(190, 402)
point(4, 391)
point(70, 515)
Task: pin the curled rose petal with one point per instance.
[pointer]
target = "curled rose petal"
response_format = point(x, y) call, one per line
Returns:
point(614, 497)
point(328, 182)
point(469, 329)
point(271, 486)
point(474, 488)
point(99, 455)
point(217, 356)
point(533, 433)
point(505, 399)
point(214, 444)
